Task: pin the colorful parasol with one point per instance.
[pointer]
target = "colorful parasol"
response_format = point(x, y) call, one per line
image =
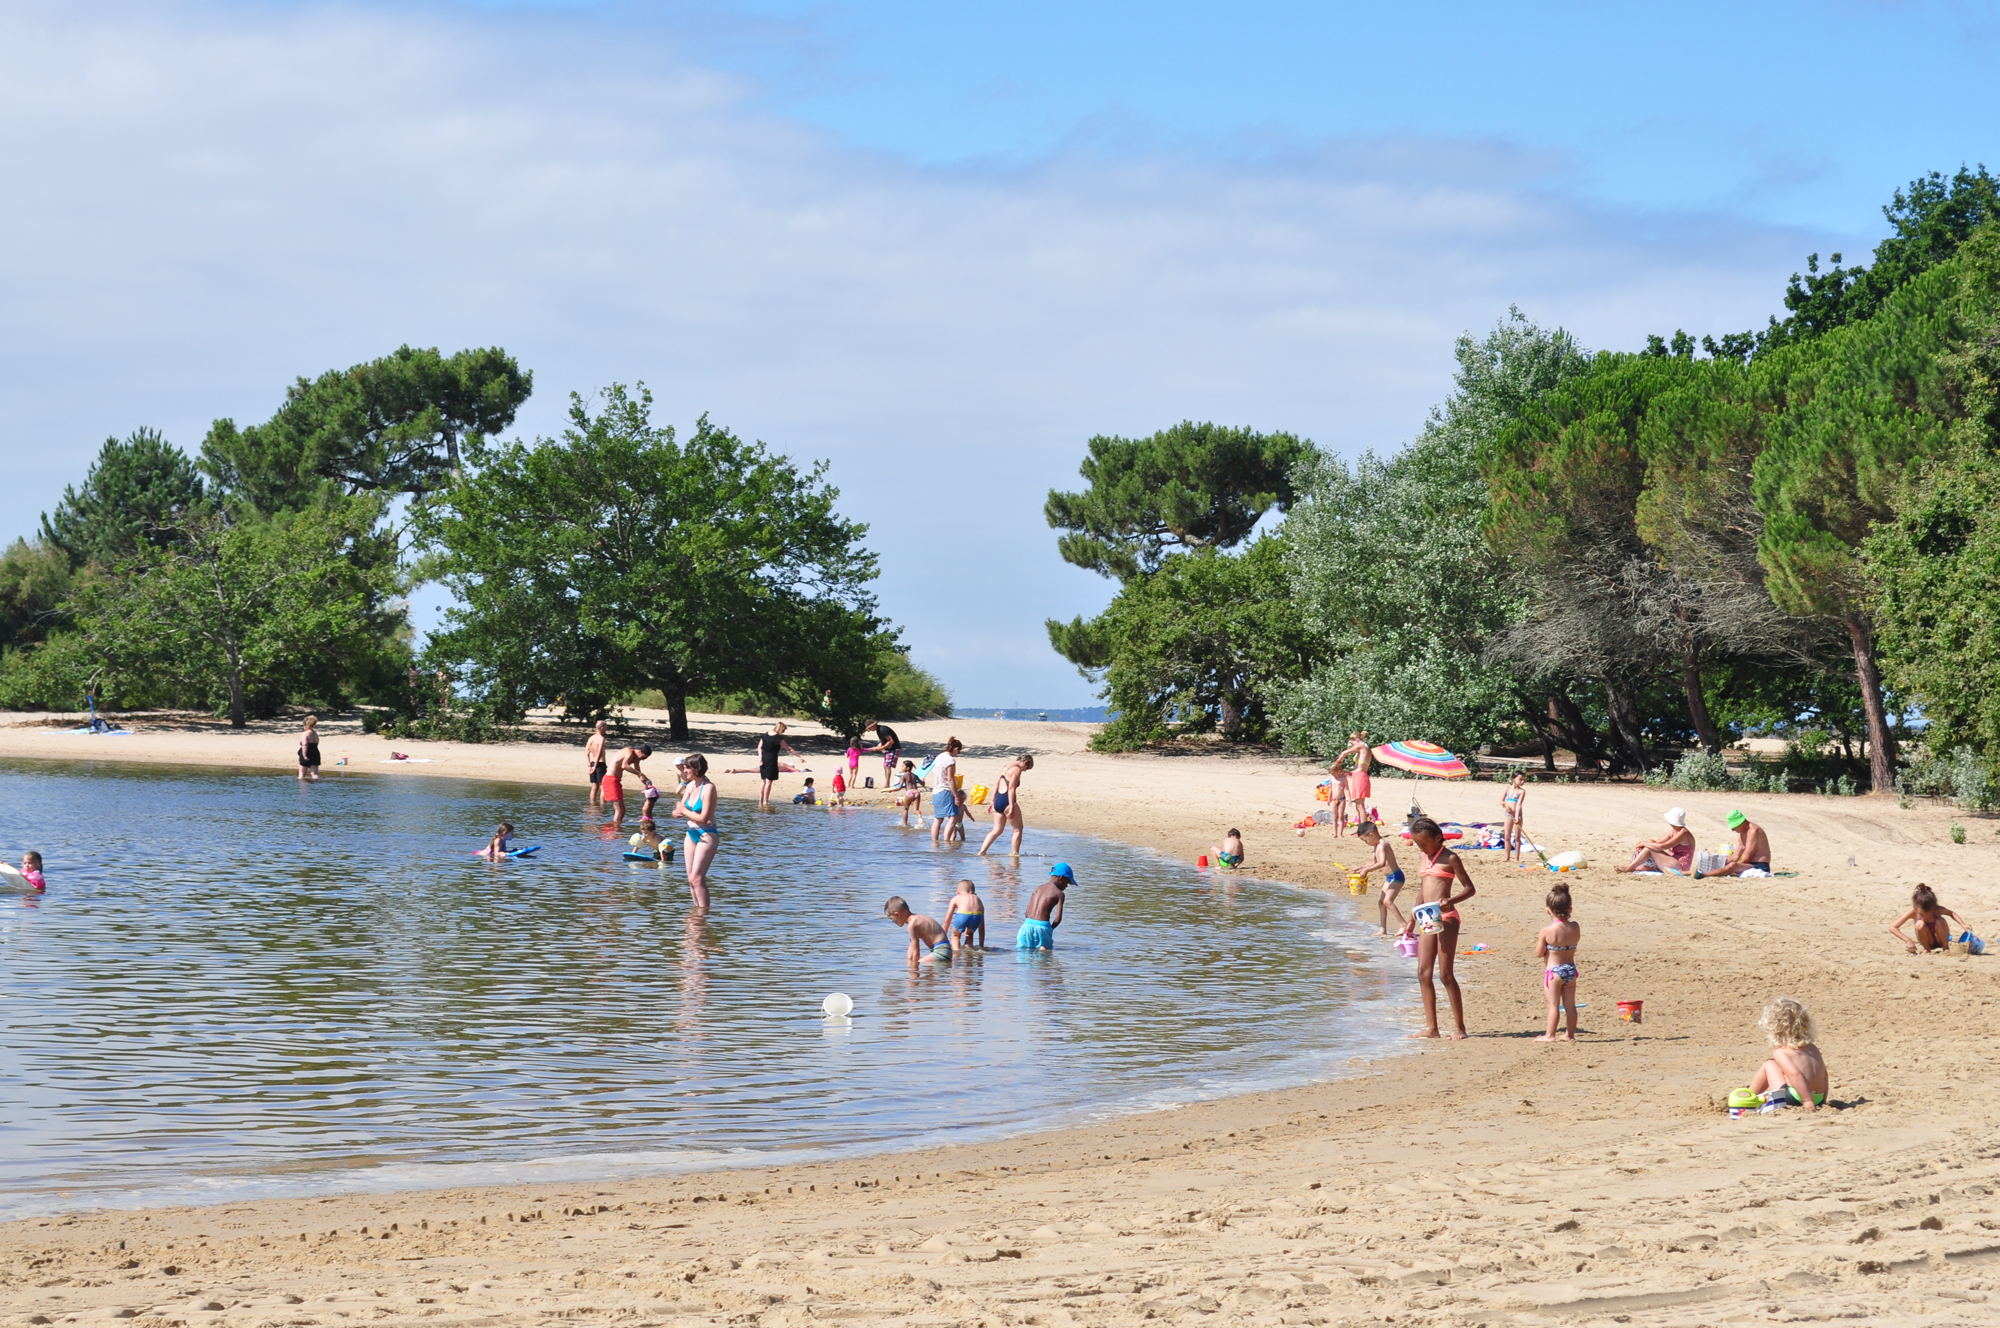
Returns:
point(1422, 758)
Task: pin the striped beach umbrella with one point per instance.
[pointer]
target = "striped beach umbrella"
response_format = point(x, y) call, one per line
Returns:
point(1422, 758)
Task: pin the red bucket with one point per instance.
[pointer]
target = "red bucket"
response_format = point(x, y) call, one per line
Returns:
point(1630, 1011)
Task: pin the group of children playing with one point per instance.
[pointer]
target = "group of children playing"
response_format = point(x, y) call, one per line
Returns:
point(964, 925)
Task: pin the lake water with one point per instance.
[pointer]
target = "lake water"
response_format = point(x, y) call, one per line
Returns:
point(239, 987)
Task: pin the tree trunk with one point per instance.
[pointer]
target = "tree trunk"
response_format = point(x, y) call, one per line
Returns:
point(677, 716)
point(1704, 727)
point(1625, 727)
point(1547, 732)
point(237, 719)
point(1582, 736)
point(1881, 746)
point(1232, 716)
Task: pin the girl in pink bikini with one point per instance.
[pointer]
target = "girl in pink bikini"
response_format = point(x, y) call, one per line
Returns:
point(1435, 920)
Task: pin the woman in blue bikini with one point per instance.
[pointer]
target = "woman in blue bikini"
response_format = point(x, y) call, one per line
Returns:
point(1007, 803)
point(697, 808)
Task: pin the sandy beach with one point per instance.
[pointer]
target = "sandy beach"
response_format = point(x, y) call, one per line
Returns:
point(1492, 1181)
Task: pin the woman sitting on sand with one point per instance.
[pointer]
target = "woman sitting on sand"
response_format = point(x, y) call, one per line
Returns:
point(1671, 852)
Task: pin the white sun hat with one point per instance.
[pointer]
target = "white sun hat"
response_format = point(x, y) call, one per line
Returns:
point(1677, 817)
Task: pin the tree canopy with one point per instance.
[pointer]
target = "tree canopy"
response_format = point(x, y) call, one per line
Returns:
point(618, 558)
point(135, 497)
point(400, 424)
point(1194, 486)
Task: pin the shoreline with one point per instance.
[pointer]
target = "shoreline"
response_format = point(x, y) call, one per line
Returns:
point(1489, 1181)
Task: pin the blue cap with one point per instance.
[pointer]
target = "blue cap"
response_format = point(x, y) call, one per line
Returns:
point(1062, 869)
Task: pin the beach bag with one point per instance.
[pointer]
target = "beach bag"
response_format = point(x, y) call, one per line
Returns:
point(1427, 919)
point(979, 794)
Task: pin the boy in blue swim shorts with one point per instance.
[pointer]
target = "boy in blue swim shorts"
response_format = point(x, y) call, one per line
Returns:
point(927, 939)
point(1384, 861)
point(1045, 910)
point(965, 920)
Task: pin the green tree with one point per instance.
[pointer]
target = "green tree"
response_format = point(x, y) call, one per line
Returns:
point(238, 610)
point(1862, 408)
point(616, 559)
point(1194, 486)
point(34, 582)
point(1196, 643)
point(1397, 584)
point(137, 492)
point(400, 424)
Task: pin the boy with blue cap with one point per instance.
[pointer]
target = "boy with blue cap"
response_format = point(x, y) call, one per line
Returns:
point(1045, 909)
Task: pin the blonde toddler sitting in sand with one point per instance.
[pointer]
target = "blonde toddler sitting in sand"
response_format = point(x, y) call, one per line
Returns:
point(1795, 1076)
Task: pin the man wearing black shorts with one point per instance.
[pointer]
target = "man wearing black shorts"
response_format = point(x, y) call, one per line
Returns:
point(593, 760)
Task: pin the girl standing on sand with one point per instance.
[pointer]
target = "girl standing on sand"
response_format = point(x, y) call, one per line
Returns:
point(1510, 805)
point(1435, 922)
point(697, 808)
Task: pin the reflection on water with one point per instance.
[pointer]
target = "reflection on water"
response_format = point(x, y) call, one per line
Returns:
point(241, 986)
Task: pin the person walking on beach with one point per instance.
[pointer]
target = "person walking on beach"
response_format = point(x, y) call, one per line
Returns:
point(593, 760)
point(309, 750)
point(1510, 809)
point(1007, 803)
point(697, 808)
point(768, 747)
point(947, 804)
point(887, 743)
point(1435, 922)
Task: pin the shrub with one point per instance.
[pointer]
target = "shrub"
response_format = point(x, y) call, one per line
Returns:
point(1957, 833)
point(1701, 771)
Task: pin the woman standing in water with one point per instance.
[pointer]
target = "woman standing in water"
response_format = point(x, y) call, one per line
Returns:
point(697, 808)
point(1007, 803)
point(309, 750)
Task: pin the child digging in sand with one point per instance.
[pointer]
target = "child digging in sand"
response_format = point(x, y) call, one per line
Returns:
point(1795, 1076)
point(1230, 853)
point(927, 940)
point(1384, 861)
point(1556, 947)
point(1929, 915)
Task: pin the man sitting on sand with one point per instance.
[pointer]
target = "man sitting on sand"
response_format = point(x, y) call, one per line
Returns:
point(927, 939)
point(1671, 852)
point(1752, 851)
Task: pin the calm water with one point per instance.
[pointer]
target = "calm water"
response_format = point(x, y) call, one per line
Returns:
point(239, 987)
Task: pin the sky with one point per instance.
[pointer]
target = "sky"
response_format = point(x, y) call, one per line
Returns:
point(938, 246)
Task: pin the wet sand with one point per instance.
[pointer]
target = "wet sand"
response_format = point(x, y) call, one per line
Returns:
point(1496, 1180)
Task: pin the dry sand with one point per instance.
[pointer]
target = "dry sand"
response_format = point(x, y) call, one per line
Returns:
point(1491, 1181)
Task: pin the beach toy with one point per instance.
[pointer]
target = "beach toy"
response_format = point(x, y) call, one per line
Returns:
point(1742, 1099)
point(1630, 1011)
point(839, 1005)
point(1201, 861)
point(1429, 919)
point(1406, 946)
point(636, 840)
point(1569, 861)
point(1356, 883)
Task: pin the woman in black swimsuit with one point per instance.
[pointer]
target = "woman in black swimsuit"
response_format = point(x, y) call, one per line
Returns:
point(1007, 803)
point(309, 750)
point(768, 747)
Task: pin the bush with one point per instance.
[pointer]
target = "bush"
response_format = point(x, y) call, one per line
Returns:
point(1964, 776)
point(1957, 833)
point(1701, 771)
point(473, 723)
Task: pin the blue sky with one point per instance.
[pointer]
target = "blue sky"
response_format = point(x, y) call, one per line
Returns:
point(939, 246)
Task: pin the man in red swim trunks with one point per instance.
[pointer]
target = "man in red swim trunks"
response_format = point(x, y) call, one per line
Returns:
point(614, 783)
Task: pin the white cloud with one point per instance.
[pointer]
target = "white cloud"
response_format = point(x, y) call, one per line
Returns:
point(204, 202)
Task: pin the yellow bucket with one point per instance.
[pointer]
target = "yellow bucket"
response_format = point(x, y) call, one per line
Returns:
point(1356, 883)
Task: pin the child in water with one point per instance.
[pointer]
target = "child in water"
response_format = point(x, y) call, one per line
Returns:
point(925, 933)
point(1556, 947)
point(496, 848)
point(1795, 1076)
point(1230, 854)
point(910, 793)
point(965, 920)
point(650, 841)
point(652, 797)
point(809, 797)
point(1045, 910)
point(31, 869)
point(1929, 915)
point(1384, 861)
